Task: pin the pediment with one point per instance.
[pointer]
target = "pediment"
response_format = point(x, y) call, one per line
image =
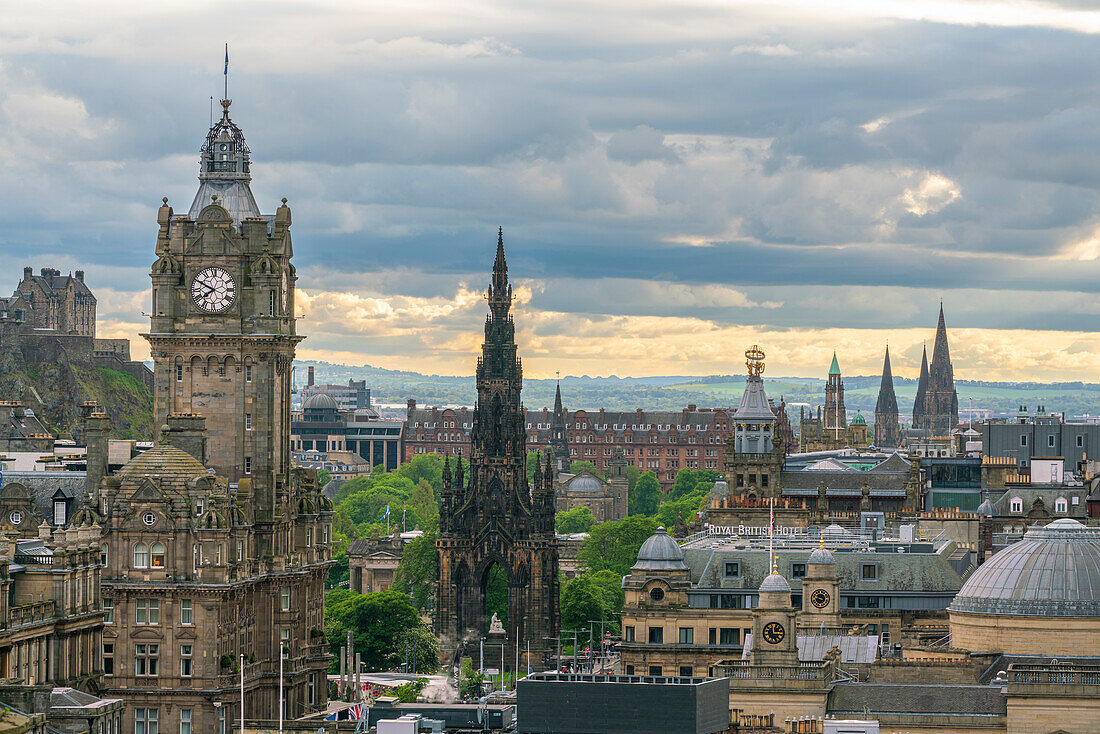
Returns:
point(146, 632)
point(148, 492)
point(15, 491)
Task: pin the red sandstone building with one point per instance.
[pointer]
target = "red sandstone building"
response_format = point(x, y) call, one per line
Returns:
point(659, 441)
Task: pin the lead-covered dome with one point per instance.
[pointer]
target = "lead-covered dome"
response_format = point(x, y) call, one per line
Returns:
point(585, 483)
point(1053, 572)
point(822, 556)
point(660, 553)
point(320, 401)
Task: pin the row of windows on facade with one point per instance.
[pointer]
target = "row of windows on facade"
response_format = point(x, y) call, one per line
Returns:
point(153, 555)
point(717, 636)
point(583, 426)
point(1052, 439)
point(147, 720)
point(147, 658)
point(147, 609)
point(868, 571)
point(1061, 506)
point(221, 370)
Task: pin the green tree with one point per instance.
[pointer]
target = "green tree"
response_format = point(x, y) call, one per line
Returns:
point(377, 621)
point(424, 467)
point(420, 647)
point(614, 545)
point(340, 573)
point(646, 495)
point(578, 520)
point(323, 477)
point(423, 504)
point(581, 601)
point(610, 585)
point(418, 569)
point(581, 466)
point(469, 680)
point(533, 459)
point(685, 483)
point(687, 506)
point(409, 692)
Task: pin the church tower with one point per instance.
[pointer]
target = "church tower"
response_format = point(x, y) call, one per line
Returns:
point(836, 419)
point(754, 460)
point(496, 519)
point(887, 430)
point(222, 329)
point(559, 441)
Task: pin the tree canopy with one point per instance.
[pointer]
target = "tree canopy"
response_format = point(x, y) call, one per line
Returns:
point(578, 520)
point(418, 570)
point(645, 496)
point(613, 546)
point(377, 620)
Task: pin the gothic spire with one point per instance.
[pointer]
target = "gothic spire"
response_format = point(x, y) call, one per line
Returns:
point(557, 400)
point(500, 290)
point(941, 354)
point(922, 388)
point(887, 430)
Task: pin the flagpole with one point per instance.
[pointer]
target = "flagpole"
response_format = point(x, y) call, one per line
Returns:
point(242, 691)
point(281, 651)
point(226, 71)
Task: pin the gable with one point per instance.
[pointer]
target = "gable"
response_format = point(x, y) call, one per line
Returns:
point(147, 492)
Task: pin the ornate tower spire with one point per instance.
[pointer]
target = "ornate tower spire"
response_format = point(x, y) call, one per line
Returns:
point(836, 417)
point(942, 401)
point(225, 171)
point(887, 430)
point(499, 294)
point(559, 442)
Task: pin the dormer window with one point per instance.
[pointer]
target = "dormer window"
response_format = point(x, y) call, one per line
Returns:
point(198, 507)
point(60, 512)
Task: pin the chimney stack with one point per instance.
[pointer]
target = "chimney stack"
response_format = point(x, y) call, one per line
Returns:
point(187, 432)
point(97, 429)
point(80, 275)
point(309, 378)
point(28, 273)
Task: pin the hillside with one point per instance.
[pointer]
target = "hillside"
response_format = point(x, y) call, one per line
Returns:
point(675, 392)
point(55, 391)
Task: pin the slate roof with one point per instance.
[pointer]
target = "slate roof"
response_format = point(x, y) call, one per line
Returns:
point(43, 484)
point(917, 572)
point(814, 648)
point(754, 402)
point(899, 698)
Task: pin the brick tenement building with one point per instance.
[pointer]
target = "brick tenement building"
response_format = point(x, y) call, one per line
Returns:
point(660, 441)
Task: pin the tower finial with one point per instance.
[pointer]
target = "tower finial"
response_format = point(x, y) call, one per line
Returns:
point(225, 99)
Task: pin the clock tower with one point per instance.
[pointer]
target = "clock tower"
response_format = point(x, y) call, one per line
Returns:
point(820, 591)
point(222, 331)
point(774, 634)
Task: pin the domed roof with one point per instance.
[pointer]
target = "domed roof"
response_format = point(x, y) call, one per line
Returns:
point(660, 553)
point(834, 531)
point(173, 468)
point(585, 483)
point(986, 508)
point(822, 555)
point(859, 420)
point(775, 582)
point(320, 401)
point(1054, 571)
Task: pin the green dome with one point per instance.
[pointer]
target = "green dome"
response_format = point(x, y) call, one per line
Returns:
point(859, 420)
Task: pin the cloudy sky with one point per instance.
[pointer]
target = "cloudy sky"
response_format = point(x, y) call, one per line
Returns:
point(676, 180)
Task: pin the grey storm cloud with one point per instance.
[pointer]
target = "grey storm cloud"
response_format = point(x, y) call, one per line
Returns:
point(928, 156)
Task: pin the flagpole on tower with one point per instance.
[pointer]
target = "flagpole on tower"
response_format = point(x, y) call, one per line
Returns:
point(226, 72)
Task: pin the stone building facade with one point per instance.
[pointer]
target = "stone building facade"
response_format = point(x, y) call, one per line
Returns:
point(830, 429)
point(607, 500)
point(215, 545)
point(52, 301)
point(495, 518)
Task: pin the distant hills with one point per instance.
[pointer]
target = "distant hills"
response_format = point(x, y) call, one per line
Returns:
point(674, 392)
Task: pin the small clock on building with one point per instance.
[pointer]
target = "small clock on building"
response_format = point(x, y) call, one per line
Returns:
point(820, 598)
point(773, 633)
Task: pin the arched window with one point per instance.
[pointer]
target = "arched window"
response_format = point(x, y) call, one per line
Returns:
point(141, 556)
point(1016, 505)
point(157, 555)
point(1061, 506)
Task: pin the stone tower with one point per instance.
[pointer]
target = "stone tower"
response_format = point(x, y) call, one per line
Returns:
point(820, 591)
point(494, 518)
point(222, 331)
point(559, 443)
point(887, 430)
point(836, 420)
point(754, 461)
point(774, 630)
point(940, 402)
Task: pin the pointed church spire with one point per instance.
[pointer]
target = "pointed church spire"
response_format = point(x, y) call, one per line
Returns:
point(942, 413)
point(834, 369)
point(887, 430)
point(557, 400)
point(922, 388)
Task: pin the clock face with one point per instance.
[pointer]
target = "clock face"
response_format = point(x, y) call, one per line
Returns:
point(213, 290)
point(773, 633)
point(820, 598)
